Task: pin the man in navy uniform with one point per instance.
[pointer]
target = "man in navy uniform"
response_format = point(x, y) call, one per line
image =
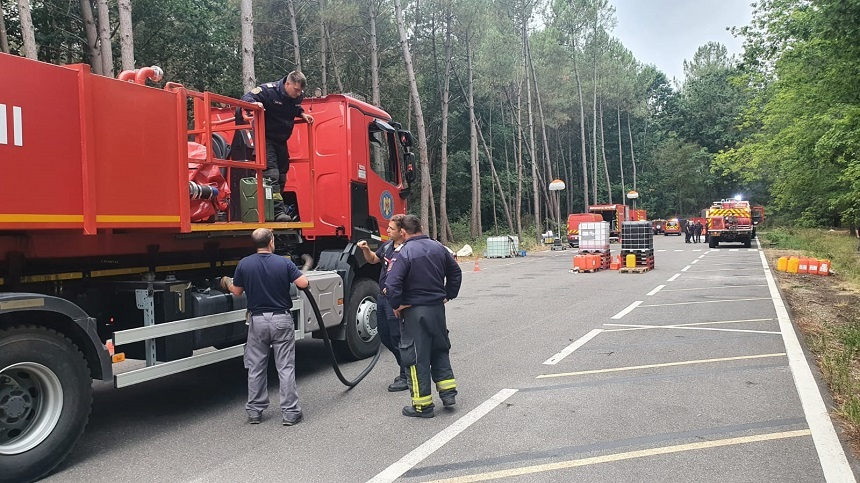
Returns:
point(386, 321)
point(266, 278)
point(422, 276)
point(282, 103)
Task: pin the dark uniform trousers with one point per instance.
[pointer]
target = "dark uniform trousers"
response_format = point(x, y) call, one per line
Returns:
point(424, 347)
point(277, 165)
point(389, 329)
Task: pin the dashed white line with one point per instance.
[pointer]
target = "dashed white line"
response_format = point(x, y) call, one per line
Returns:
point(572, 347)
point(685, 268)
point(705, 302)
point(418, 455)
point(694, 262)
point(702, 256)
point(659, 287)
point(627, 310)
point(673, 277)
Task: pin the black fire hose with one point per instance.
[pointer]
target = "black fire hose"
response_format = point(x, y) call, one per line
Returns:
point(334, 364)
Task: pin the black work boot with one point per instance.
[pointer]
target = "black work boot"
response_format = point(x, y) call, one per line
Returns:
point(399, 384)
point(413, 412)
point(448, 400)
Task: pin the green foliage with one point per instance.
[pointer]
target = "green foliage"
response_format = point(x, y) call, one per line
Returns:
point(837, 246)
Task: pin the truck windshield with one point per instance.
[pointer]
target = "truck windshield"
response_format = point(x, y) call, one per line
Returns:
point(382, 159)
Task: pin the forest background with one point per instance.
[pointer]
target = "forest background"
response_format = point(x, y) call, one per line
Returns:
point(503, 96)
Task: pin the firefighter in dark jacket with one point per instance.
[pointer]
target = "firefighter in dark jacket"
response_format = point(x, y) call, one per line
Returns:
point(282, 103)
point(422, 276)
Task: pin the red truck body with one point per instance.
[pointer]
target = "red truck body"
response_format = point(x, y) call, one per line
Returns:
point(613, 214)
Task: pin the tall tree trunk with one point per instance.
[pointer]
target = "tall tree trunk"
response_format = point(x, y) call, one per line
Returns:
point(519, 158)
point(297, 54)
point(603, 153)
point(632, 158)
point(594, 126)
point(374, 67)
point(621, 155)
point(477, 225)
point(532, 153)
point(28, 32)
point(104, 38)
point(92, 36)
point(554, 206)
point(4, 39)
point(334, 62)
point(497, 180)
point(323, 50)
point(126, 34)
point(419, 114)
point(446, 95)
point(582, 133)
point(249, 77)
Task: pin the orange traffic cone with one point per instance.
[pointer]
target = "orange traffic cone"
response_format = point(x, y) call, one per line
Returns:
point(477, 266)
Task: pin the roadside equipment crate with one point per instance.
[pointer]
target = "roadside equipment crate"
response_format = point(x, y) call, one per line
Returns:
point(502, 246)
point(594, 235)
point(637, 235)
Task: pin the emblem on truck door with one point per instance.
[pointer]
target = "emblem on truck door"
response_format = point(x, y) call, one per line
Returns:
point(17, 132)
point(386, 204)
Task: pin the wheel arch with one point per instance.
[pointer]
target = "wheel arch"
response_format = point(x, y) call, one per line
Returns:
point(62, 316)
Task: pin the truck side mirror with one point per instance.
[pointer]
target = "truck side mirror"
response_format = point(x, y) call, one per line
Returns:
point(409, 175)
point(405, 138)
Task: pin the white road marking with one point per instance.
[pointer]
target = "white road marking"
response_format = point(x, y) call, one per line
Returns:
point(659, 287)
point(697, 250)
point(678, 448)
point(702, 256)
point(685, 268)
point(679, 250)
point(681, 327)
point(692, 324)
point(665, 364)
point(673, 277)
point(572, 347)
point(694, 262)
point(728, 269)
point(706, 302)
point(418, 455)
point(830, 452)
point(627, 310)
point(715, 287)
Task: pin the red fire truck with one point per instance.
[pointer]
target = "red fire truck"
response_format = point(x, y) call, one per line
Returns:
point(116, 223)
point(614, 214)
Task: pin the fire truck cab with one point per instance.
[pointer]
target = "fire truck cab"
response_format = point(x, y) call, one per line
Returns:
point(729, 221)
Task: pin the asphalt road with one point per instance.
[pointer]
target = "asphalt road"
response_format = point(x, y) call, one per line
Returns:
point(598, 377)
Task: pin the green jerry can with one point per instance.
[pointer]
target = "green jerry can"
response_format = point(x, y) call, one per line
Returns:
point(248, 200)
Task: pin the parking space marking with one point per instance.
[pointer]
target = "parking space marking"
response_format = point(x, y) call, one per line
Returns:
point(692, 324)
point(673, 277)
point(572, 347)
point(702, 256)
point(694, 262)
point(830, 452)
point(714, 287)
point(664, 364)
point(685, 268)
point(627, 310)
point(659, 287)
point(728, 269)
point(682, 327)
point(705, 302)
point(430, 446)
point(678, 448)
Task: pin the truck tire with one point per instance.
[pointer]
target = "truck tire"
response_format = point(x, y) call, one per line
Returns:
point(45, 401)
point(712, 242)
point(362, 335)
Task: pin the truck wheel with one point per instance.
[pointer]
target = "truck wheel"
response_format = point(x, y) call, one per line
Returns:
point(712, 242)
point(362, 335)
point(45, 399)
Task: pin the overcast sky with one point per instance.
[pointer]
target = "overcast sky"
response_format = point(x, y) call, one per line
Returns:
point(666, 32)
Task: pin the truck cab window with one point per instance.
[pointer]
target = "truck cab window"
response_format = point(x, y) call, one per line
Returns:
point(382, 159)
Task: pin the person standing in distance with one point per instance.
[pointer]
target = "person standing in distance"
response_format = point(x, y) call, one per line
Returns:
point(266, 278)
point(282, 103)
point(422, 277)
point(386, 321)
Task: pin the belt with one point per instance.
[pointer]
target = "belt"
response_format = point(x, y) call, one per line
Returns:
point(273, 312)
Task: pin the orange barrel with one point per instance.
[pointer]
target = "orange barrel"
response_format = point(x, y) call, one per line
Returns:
point(803, 265)
point(782, 264)
point(631, 260)
point(813, 266)
point(824, 267)
point(793, 262)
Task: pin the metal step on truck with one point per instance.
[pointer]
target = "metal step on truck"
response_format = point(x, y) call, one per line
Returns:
point(122, 205)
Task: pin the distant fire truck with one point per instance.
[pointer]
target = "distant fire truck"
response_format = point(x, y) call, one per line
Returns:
point(729, 221)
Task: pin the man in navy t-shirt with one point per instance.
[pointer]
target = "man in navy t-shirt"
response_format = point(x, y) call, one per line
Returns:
point(386, 322)
point(266, 278)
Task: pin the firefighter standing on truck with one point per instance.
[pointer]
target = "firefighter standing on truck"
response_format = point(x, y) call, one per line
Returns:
point(422, 276)
point(282, 103)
